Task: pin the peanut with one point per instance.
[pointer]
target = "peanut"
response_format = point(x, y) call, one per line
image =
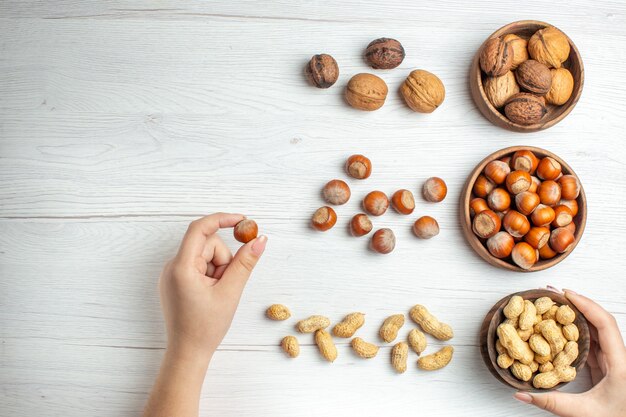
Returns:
point(543, 359)
point(278, 312)
point(417, 341)
point(436, 360)
point(324, 342)
point(514, 307)
point(565, 315)
point(389, 330)
point(543, 304)
point(567, 355)
point(546, 367)
point(539, 345)
point(399, 356)
point(521, 371)
point(538, 319)
point(553, 336)
point(570, 332)
point(512, 322)
point(550, 314)
point(504, 361)
point(528, 316)
point(534, 366)
point(525, 334)
point(312, 324)
point(552, 378)
point(500, 349)
point(517, 348)
point(349, 325)
point(430, 324)
point(364, 349)
point(291, 346)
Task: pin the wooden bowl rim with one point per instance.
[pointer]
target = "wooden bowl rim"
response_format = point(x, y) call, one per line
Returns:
point(481, 249)
point(494, 318)
point(476, 80)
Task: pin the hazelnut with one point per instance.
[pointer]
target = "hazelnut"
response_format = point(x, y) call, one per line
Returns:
point(426, 227)
point(499, 89)
point(497, 171)
point(562, 86)
point(384, 53)
point(403, 201)
point(434, 190)
point(524, 160)
point(546, 252)
point(336, 192)
point(499, 199)
point(548, 169)
point(520, 48)
point(518, 182)
point(496, 57)
point(526, 202)
point(534, 77)
point(537, 237)
point(571, 227)
point(486, 224)
point(524, 255)
point(324, 218)
point(322, 71)
point(376, 203)
point(549, 46)
point(506, 160)
point(366, 92)
point(422, 91)
point(549, 193)
point(482, 186)
point(360, 225)
point(383, 241)
point(477, 205)
point(542, 216)
point(500, 245)
point(534, 184)
point(571, 204)
point(570, 187)
point(561, 240)
point(246, 230)
point(562, 216)
point(516, 223)
point(359, 167)
point(525, 109)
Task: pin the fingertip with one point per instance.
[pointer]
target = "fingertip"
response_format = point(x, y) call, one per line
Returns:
point(523, 397)
point(258, 246)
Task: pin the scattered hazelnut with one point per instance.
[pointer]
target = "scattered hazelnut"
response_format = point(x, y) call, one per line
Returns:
point(526, 202)
point(366, 92)
point(477, 205)
point(562, 216)
point(542, 216)
point(423, 91)
point(324, 218)
point(549, 193)
point(516, 223)
point(548, 169)
point(525, 109)
point(520, 48)
point(497, 171)
point(426, 227)
point(376, 203)
point(360, 225)
point(434, 190)
point(549, 46)
point(546, 252)
point(403, 201)
point(500, 245)
point(562, 86)
point(245, 230)
point(561, 240)
point(384, 53)
point(482, 186)
point(486, 224)
point(534, 77)
point(518, 182)
point(571, 204)
point(359, 167)
point(570, 187)
point(524, 255)
point(336, 192)
point(524, 160)
point(383, 241)
point(499, 200)
point(322, 71)
point(496, 57)
point(537, 237)
point(499, 89)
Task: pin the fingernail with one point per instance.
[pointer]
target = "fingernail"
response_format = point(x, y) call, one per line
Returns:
point(570, 291)
point(259, 245)
point(523, 397)
point(553, 289)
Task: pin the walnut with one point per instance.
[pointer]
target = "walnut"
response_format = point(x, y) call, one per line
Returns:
point(534, 77)
point(500, 89)
point(520, 48)
point(384, 53)
point(496, 57)
point(562, 86)
point(525, 109)
point(423, 91)
point(366, 92)
point(549, 46)
point(322, 71)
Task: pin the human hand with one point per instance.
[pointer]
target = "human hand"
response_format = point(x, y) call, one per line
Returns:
point(200, 288)
point(607, 363)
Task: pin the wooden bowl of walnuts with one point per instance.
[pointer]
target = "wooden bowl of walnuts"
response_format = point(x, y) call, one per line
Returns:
point(559, 332)
point(527, 76)
point(523, 209)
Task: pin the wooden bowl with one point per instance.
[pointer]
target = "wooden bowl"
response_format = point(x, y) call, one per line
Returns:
point(525, 29)
point(477, 244)
point(495, 316)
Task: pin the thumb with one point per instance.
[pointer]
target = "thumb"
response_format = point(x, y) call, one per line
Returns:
point(559, 403)
point(238, 271)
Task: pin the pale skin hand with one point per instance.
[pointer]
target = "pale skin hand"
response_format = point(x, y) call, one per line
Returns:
point(200, 290)
point(607, 363)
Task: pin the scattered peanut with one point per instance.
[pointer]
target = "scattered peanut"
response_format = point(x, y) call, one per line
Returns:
point(528, 316)
point(521, 371)
point(312, 324)
point(539, 345)
point(565, 315)
point(570, 332)
point(389, 330)
point(324, 342)
point(349, 325)
point(417, 341)
point(364, 349)
point(278, 312)
point(399, 356)
point(436, 360)
point(291, 346)
point(430, 324)
point(551, 379)
point(514, 307)
point(517, 348)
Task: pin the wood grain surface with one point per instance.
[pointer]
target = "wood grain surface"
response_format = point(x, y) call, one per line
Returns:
point(122, 121)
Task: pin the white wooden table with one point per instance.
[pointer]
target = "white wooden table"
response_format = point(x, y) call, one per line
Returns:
point(122, 121)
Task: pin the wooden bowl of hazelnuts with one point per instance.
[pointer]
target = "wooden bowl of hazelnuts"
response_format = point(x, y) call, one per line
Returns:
point(523, 209)
point(527, 76)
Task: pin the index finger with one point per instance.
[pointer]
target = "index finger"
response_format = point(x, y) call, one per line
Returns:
point(199, 231)
point(609, 336)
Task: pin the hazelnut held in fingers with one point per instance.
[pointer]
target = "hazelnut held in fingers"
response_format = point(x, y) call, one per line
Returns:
point(246, 230)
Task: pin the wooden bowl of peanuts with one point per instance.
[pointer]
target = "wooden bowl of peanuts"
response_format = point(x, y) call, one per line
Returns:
point(534, 340)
